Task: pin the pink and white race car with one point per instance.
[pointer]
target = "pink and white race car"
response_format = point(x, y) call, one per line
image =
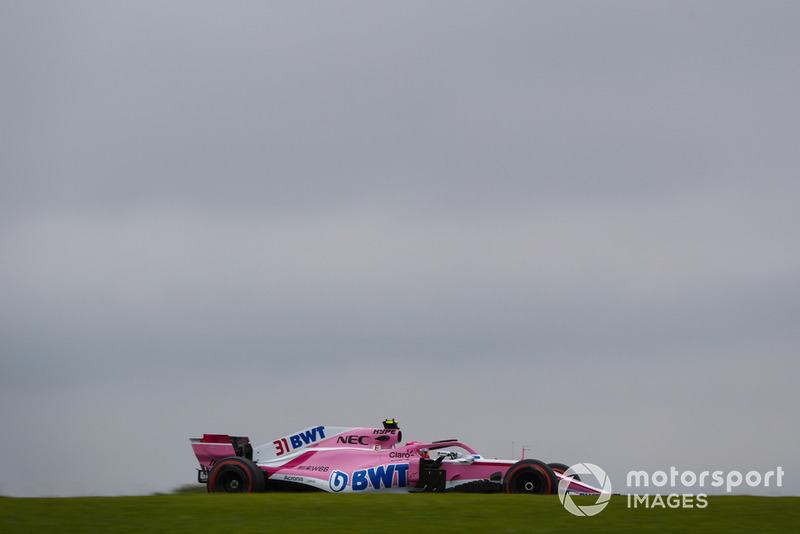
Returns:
point(344, 459)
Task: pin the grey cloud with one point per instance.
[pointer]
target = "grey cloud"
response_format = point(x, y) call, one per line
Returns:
point(305, 206)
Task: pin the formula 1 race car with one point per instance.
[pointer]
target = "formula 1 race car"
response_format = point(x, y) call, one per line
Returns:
point(342, 459)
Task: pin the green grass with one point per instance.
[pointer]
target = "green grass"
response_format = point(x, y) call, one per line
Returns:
point(197, 513)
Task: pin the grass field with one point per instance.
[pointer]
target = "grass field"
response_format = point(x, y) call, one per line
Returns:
point(384, 513)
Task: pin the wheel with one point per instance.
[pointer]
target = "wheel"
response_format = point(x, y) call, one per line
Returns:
point(235, 475)
point(530, 476)
point(560, 469)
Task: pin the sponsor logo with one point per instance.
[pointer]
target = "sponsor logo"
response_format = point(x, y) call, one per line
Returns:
point(385, 431)
point(352, 440)
point(405, 455)
point(338, 481)
point(318, 468)
point(284, 445)
point(290, 478)
point(382, 476)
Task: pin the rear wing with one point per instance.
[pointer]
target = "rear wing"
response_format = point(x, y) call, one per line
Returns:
point(213, 447)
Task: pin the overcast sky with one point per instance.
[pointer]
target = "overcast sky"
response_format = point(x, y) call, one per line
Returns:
point(571, 226)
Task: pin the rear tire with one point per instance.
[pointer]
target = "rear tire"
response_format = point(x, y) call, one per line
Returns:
point(235, 474)
point(531, 477)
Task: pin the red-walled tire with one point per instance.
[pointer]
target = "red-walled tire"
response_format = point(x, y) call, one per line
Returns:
point(530, 476)
point(235, 474)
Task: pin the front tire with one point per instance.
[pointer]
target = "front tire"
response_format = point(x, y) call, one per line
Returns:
point(560, 469)
point(235, 475)
point(531, 477)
